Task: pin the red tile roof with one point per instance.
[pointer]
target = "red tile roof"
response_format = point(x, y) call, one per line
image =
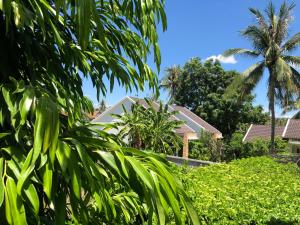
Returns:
point(262, 131)
point(292, 130)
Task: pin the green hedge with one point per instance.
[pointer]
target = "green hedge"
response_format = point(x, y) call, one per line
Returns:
point(247, 191)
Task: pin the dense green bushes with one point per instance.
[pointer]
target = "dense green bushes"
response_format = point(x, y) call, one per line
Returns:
point(236, 148)
point(247, 191)
point(207, 148)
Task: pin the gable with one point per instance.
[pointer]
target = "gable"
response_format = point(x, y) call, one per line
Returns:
point(106, 116)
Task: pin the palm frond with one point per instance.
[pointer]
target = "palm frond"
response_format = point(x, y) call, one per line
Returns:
point(284, 19)
point(287, 85)
point(260, 38)
point(282, 71)
point(292, 43)
point(241, 51)
point(247, 81)
point(296, 78)
point(260, 18)
point(292, 60)
point(270, 12)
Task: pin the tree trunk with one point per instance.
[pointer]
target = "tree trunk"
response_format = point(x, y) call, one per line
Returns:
point(272, 109)
point(271, 95)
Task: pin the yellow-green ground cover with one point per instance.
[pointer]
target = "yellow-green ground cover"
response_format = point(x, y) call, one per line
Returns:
point(248, 191)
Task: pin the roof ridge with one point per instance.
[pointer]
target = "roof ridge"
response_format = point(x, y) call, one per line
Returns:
point(285, 128)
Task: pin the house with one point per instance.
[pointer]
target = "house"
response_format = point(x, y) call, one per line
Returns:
point(289, 132)
point(190, 130)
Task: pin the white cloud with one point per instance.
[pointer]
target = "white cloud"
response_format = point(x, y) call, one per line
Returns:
point(222, 59)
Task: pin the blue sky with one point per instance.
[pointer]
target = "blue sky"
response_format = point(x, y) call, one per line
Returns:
point(203, 29)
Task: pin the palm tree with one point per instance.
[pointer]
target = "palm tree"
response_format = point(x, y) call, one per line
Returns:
point(102, 106)
point(170, 81)
point(268, 38)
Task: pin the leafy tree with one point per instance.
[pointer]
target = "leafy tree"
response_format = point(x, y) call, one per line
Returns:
point(170, 81)
point(152, 128)
point(54, 167)
point(201, 88)
point(268, 38)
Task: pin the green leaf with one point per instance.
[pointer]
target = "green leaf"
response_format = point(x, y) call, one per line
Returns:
point(25, 104)
point(47, 180)
point(1, 181)
point(25, 172)
point(15, 202)
point(191, 211)
point(2, 135)
point(63, 155)
point(75, 176)
point(60, 208)
point(8, 213)
point(33, 198)
point(141, 171)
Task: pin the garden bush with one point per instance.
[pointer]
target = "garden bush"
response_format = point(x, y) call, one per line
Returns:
point(237, 149)
point(248, 191)
point(206, 148)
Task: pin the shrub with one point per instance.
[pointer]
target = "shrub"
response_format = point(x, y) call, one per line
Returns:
point(206, 148)
point(247, 191)
point(237, 149)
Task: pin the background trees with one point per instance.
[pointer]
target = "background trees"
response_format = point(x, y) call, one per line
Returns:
point(268, 37)
point(201, 88)
point(53, 166)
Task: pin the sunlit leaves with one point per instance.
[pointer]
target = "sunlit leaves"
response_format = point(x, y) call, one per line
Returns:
point(254, 190)
point(108, 35)
point(54, 165)
point(89, 167)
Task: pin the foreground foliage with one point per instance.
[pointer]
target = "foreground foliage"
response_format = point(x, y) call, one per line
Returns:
point(54, 167)
point(248, 191)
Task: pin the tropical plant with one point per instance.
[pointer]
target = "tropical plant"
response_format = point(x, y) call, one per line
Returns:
point(152, 128)
point(170, 81)
point(268, 38)
point(54, 167)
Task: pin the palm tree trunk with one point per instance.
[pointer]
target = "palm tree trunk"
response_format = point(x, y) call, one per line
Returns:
point(272, 109)
point(271, 95)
